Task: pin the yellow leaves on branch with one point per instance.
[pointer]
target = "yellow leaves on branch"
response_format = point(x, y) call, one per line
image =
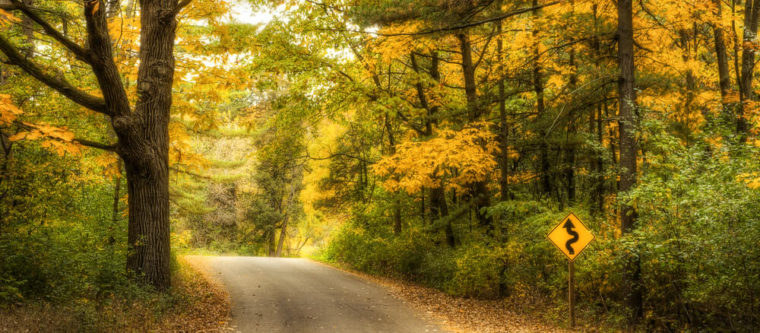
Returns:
point(8, 111)
point(56, 139)
point(453, 159)
point(109, 162)
point(181, 151)
point(7, 18)
point(399, 41)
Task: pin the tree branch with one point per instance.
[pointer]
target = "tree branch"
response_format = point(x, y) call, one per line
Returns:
point(458, 27)
point(80, 52)
point(103, 64)
point(190, 173)
point(83, 142)
point(181, 5)
point(97, 145)
point(91, 102)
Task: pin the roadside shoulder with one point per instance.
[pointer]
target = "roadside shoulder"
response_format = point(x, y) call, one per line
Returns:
point(455, 313)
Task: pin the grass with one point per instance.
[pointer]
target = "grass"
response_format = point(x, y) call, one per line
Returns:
point(194, 303)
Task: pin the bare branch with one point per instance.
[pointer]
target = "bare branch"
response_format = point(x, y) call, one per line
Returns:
point(97, 145)
point(187, 172)
point(91, 102)
point(80, 52)
point(181, 5)
point(103, 64)
point(456, 27)
point(83, 142)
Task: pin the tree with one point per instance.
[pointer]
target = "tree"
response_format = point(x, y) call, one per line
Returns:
point(142, 128)
point(628, 142)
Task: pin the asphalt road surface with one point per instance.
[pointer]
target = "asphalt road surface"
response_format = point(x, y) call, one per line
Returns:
point(298, 295)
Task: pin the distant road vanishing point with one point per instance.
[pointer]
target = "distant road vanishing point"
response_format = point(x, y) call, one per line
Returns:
point(298, 295)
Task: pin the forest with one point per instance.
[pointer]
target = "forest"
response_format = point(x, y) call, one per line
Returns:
point(434, 142)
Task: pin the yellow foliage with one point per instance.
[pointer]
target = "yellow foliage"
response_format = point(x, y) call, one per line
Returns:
point(8, 111)
point(7, 18)
point(399, 43)
point(56, 139)
point(751, 179)
point(452, 159)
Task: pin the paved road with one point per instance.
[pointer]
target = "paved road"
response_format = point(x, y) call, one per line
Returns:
point(298, 295)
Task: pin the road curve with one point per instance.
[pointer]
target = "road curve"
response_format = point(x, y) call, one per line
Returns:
point(298, 295)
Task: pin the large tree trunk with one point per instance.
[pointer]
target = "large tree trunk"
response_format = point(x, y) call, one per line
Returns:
point(144, 146)
point(148, 236)
point(143, 132)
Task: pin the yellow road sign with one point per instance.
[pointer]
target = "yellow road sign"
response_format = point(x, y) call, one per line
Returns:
point(570, 236)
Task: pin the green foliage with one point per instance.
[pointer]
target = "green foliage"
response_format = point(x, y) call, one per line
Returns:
point(697, 240)
point(57, 241)
point(479, 267)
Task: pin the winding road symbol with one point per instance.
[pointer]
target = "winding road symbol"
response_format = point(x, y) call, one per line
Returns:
point(570, 236)
point(568, 245)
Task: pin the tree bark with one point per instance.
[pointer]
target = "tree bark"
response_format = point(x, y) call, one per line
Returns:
point(271, 242)
point(283, 234)
point(627, 104)
point(538, 89)
point(721, 54)
point(284, 228)
point(570, 141)
point(596, 126)
point(746, 94)
point(479, 189)
point(628, 144)
point(503, 158)
point(468, 71)
point(143, 132)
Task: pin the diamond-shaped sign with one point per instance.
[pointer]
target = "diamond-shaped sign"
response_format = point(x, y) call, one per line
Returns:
point(571, 236)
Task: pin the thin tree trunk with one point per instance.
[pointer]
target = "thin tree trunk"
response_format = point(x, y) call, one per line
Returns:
point(746, 94)
point(479, 190)
point(503, 157)
point(597, 127)
point(271, 243)
point(690, 84)
point(283, 234)
point(538, 89)
point(115, 211)
point(27, 29)
point(570, 138)
point(284, 229)
point(627, 105)
point(423, 210)
point(438, 206)
point(628, 144)
point(7, 147)
point(721, 53)
point(468, 71)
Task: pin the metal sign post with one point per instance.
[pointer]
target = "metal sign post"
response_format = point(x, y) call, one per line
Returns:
point(571, 291)
point(571, 237)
